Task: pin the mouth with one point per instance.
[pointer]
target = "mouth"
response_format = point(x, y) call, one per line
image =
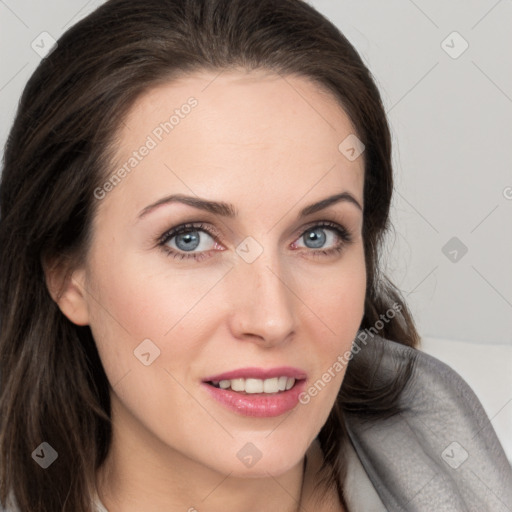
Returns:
point(261, 387)
point(261, 398)
point(263, 394)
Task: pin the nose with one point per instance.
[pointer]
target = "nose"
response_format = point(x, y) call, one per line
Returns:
point(262, 302)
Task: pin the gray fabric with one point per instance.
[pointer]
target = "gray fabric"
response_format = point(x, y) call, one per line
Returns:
point(440, 452)
point(357, 488)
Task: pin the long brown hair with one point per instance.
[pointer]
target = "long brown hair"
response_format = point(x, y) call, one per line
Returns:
point(53, 386)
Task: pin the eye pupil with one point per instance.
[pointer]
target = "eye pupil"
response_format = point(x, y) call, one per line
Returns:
point(187, 241)
point(316, 237)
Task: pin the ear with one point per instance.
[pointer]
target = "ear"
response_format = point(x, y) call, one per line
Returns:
point(67, 289)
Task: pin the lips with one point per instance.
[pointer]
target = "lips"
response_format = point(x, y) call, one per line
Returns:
point(261, 405)
point(257, 391)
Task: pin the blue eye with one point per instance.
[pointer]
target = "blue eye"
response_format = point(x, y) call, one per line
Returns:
point(183, 241)
point(187, 238)
point(188, 241)
point(316, 237)
point(325, 233)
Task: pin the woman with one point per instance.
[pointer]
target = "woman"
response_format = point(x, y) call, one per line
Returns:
point(193, 201)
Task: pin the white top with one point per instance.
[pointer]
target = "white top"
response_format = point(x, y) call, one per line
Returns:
point(99, 506)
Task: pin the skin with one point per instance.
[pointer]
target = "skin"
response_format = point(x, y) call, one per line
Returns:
point(269, 146)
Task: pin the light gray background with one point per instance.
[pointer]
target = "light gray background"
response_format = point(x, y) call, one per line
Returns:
point(451, 120)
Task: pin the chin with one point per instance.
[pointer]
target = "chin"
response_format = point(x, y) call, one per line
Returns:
point(262, 457)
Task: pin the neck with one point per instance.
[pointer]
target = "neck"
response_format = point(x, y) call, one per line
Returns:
point(313, 497)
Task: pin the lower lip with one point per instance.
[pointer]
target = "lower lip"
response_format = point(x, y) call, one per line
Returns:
point(261, 405)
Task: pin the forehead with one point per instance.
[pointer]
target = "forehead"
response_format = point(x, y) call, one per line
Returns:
point(237, 131)
point(259, 102)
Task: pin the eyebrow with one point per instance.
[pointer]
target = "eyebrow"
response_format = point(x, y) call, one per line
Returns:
point(229, 211)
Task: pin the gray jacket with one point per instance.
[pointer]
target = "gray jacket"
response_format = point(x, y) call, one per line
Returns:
point(440, 453)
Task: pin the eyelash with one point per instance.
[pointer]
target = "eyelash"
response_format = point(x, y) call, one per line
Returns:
point(342, 233)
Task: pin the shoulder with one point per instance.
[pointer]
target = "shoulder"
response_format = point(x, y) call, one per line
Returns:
point(440, 450)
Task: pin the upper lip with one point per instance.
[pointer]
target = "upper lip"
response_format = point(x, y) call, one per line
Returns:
point(258, 373)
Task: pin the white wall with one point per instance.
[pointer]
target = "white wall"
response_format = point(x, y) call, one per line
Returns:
point(451, 121)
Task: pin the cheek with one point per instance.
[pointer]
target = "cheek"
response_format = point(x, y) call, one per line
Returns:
point(137, 312)
point(339, 295)
point(338, 308)
point(148, 298)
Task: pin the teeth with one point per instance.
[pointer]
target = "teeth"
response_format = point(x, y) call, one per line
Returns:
point(270, 385)
point(238, 384)
point(273, 385)
point(254, 386)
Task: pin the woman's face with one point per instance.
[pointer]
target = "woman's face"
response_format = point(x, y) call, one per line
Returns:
point(262, 285)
